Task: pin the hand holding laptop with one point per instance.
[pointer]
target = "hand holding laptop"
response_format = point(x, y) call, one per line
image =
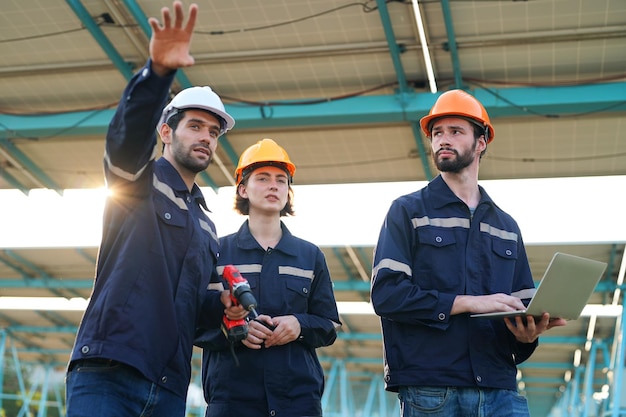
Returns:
point(526, 329)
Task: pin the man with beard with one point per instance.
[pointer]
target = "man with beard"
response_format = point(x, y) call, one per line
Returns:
point(444, 252)
point(132, 355)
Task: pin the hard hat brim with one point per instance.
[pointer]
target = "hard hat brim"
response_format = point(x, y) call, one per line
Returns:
point(427, 121)
point(229, 121)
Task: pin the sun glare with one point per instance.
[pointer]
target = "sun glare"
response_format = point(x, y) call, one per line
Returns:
point(556, 210)
point(344, 307)
point(565, 210)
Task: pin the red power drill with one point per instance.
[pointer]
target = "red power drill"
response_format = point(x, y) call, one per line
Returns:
point(240, 293)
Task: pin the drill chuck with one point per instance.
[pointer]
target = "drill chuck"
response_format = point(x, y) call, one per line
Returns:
point(246, 299)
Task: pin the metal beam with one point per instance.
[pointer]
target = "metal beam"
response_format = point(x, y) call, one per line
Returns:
point(451, 45)
point(13, 181)
point(546, 365)
point(208, 180)
point(404, 90)
point(42, 329)
point(394, 48)
point(36, 270)
point(344, 266)
point(124, 67)
point(87, 283)
point(69, 283)
point(548, 102)
point(19, 158)
point(421, 150)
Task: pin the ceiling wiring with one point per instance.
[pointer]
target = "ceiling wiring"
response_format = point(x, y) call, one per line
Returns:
point(549, 115)
point(42, 35)
point(105, 20)
point(58, 132)
point(508, 83)
point(411, 156)
point(527, 159)
point(100, 21)
point(363, 5)
point(265, 105)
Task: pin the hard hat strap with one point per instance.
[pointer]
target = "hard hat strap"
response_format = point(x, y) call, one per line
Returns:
point(248, 170)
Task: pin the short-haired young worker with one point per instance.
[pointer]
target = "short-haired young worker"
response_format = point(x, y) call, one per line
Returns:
point(132, 355)
point(444, 252)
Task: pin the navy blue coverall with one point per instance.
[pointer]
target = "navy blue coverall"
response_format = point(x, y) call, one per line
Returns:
point(158, 252)
point(285, 380)
point(431, 249)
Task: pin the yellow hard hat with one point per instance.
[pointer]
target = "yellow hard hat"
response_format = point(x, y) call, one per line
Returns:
point(458, 103)
point(264, 152)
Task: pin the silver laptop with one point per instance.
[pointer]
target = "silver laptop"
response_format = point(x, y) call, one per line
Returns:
point(563, 291)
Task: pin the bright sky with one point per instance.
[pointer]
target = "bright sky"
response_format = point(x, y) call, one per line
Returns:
point(565, 210)
point(556, 210)
point(344, 307)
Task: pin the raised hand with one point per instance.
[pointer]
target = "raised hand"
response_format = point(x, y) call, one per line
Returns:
point(170, 42)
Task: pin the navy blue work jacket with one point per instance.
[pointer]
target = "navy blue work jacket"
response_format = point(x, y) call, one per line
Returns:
point(430, 250)
point(158, 251)
point(287, 380)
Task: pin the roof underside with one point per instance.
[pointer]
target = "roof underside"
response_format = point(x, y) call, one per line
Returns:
point(342, 86)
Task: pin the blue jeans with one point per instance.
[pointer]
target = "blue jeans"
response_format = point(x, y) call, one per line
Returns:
point(105, 388)
point(461, 402)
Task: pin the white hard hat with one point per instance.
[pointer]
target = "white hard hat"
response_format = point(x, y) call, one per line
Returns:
point(202, 98)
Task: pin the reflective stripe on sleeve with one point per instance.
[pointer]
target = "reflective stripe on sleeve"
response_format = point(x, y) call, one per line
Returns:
point(393, 265)
point(206, 226)
point(128, 176)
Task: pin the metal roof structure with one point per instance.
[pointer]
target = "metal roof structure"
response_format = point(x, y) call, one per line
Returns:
point(342, 86)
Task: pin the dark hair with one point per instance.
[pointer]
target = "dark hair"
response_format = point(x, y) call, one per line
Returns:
point(242, 205)
point(175, 119)
point(478, 132)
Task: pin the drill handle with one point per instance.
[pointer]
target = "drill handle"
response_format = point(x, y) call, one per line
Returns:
point(233, 299)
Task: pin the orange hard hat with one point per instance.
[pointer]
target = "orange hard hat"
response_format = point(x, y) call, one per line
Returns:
point(264, 152)
point(458, 103)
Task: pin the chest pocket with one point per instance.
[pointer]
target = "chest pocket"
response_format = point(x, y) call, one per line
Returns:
point(296, 294)
point(173, 223)
point(172, 217)
point(437, 237)
point(169, 213)
point(435, 255)
point(506, 249)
